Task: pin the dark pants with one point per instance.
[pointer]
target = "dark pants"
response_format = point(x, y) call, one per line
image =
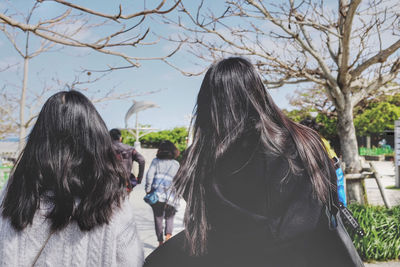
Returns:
point(163, 211)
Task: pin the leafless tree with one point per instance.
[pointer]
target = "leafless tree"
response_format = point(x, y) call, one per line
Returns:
point(350, 48)
point(66, 29)
point(315, 99)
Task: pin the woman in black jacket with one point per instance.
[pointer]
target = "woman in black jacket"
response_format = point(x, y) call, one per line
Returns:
point(256, 183)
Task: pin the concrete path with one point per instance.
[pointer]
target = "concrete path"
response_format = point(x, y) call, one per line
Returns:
point(386, 170)
point(145, 219)
point(383, 264)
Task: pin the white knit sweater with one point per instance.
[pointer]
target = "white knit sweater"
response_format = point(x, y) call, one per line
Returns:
point(115, 244)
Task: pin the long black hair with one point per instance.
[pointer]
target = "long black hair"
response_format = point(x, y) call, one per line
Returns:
point(69, 161)
point(232, 101)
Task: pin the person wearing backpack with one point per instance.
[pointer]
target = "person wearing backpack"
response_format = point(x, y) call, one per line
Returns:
point(128, 155)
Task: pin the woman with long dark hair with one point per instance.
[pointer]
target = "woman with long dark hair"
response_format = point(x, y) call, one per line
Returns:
point(65, 203)
point(159, 179)
point(256, 183)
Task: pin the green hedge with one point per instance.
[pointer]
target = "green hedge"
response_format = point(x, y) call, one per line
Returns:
point(376, 151)
point(382, 232)
point(177, 136)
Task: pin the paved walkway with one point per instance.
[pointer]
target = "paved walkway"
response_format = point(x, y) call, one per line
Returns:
point(386, 170)
point(383, 264)
point(145, 221)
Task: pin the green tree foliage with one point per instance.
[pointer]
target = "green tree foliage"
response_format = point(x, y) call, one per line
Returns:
point(177, 136)
point(327, 123)
point(298, 115)
point(374, 100)
point(377, 119)
point(372, 115)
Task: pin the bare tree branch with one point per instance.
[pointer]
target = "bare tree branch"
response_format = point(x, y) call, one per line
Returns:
point(346, 30)
point(118, 16)
point(68, 29)
point(294, 42)
point(382, 56)
point(377, 83)
point(68, 41)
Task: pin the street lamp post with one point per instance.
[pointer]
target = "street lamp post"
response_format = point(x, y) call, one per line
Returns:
point(134, 110)
point(137, 142)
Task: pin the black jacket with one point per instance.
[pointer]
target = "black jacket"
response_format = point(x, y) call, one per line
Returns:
point(128, 155)
point(260, 215)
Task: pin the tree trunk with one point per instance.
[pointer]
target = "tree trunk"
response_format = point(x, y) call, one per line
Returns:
point(348, 139)
point(22, 126)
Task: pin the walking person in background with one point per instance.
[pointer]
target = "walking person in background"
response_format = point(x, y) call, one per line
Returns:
point(159, 179)
point(65, 203)
point(258, 186)
point(128, 155)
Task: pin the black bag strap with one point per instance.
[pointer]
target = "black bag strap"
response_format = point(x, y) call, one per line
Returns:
point(158, 185)
point(331, 209)
point(346, 215)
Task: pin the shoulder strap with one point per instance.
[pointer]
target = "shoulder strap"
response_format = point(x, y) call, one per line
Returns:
point(345, 214)
point(41, 249)
point(157, 168)
point(159, 183)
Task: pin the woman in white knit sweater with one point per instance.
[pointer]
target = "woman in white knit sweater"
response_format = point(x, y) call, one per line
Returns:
point(65, 203)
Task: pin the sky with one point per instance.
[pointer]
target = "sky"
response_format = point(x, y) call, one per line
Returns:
point(175, 93)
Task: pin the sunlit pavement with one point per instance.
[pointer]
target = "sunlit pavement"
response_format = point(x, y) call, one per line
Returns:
point(145, 220)
point(386, 170)
point(384, 264)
